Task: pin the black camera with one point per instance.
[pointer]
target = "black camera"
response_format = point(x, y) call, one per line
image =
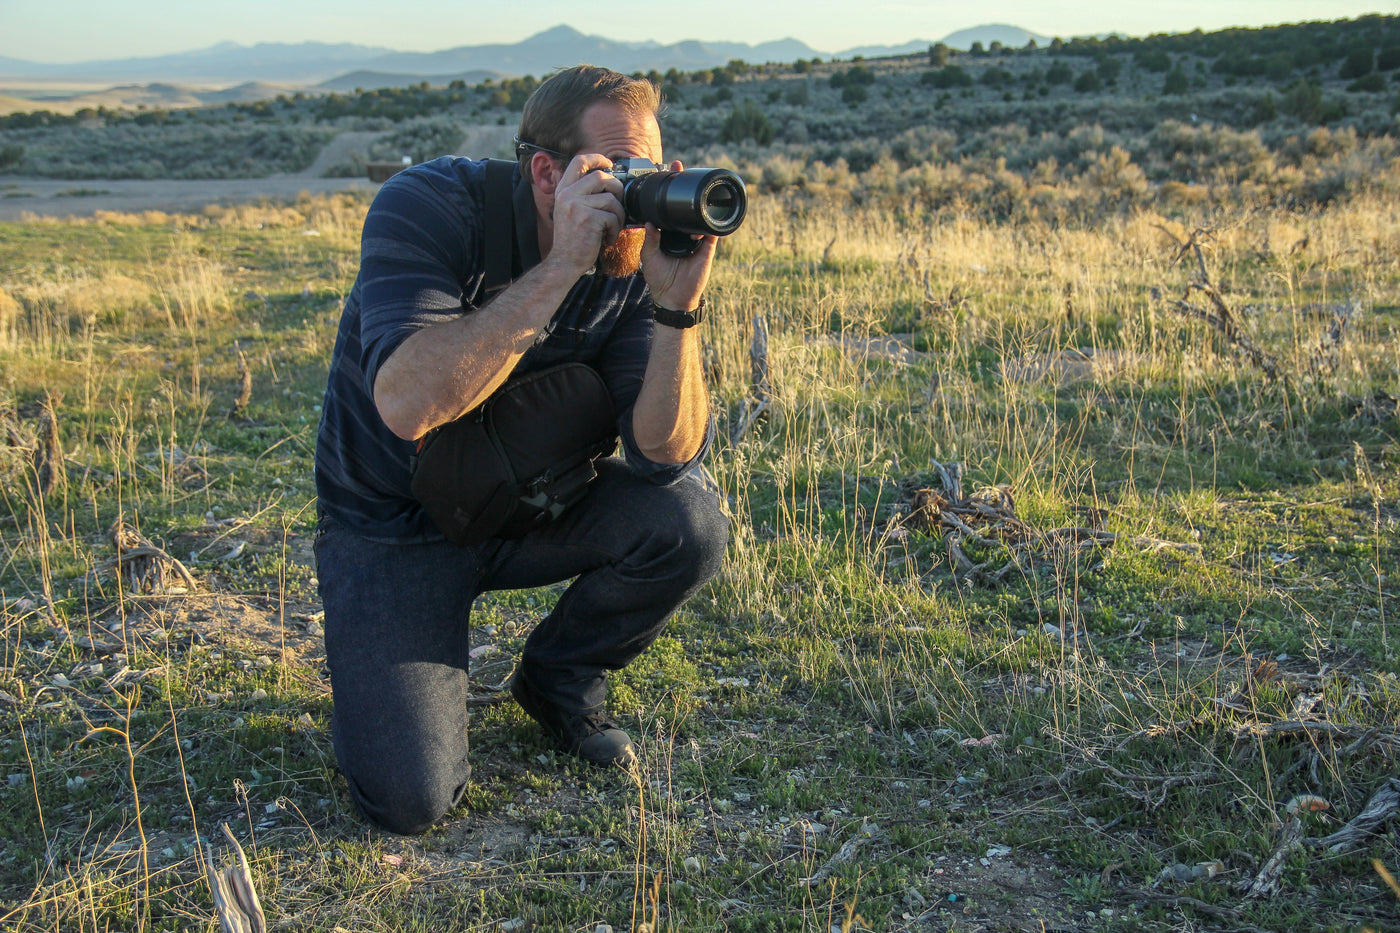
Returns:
point(693, 202)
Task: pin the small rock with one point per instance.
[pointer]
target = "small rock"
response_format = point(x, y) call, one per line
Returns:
point(691, 864)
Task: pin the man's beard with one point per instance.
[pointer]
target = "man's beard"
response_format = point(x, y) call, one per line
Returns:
point(622, 256)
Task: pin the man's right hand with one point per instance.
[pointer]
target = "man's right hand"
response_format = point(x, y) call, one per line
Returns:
point(588, 213)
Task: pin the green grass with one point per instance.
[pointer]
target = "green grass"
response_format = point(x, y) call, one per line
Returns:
point(841, 729)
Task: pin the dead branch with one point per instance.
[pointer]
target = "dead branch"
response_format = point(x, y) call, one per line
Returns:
point(758, 359)
point(245, 388)
point(1266, 883)
point(1326, 356)
point(1172, 235)
point(1358, 736)
point(1177, 901)
point(1222, 319)
point(954, 300)
point(751, 408)
point(49, 468)
point(145, 567)
point(866, 833)
point(1380, 809)
point(1150, 790)
point(235, 898)
point(987, 518)
point(1225, 325)
point(951, 475)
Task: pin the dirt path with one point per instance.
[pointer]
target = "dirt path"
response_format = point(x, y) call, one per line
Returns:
point(48, 197)
point(63, 197)
point(488, 141)
point(340, 149)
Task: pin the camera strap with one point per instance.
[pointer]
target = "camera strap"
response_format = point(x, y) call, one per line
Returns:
point(499, 229)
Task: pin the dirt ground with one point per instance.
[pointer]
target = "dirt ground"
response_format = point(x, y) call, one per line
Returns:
point(66, 197)
point(50, 197)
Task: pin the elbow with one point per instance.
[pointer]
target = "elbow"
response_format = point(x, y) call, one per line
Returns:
point(409, 429)
point(399, 417)
point(673, 453)
point(662, 457)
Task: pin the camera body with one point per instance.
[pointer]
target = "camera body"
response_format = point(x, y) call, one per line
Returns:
point(682, 205)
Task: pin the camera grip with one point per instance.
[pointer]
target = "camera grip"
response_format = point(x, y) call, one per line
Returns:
point(677, 244)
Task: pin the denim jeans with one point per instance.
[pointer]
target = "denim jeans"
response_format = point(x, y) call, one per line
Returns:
point(397, 616)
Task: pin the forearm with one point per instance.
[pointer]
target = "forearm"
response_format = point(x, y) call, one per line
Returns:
point(672, 410)
point(441, 372)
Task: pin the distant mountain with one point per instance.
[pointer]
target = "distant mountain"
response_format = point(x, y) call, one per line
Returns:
point(247, 92)
point(154, 95)
point(18, 66)
point(1013, 37)
point(563, 46)
point(305, 62)
point(346, 65)
point(885, 51)
point(372, 80)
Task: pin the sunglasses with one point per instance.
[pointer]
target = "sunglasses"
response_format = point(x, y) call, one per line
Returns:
point(522, 147)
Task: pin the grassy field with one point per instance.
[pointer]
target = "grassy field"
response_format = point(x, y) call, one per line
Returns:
point(1061, 595)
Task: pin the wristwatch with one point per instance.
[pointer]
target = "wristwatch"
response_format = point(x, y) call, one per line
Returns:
point(678, 319)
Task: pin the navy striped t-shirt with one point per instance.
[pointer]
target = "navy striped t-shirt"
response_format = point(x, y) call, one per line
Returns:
point(421, 263)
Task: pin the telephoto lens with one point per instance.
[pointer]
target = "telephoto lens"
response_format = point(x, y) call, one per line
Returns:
point(697, 201)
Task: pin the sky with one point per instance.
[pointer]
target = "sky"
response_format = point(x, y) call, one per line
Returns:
point(61, 31)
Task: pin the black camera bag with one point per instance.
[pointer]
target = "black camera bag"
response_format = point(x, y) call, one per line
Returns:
point(526, 454)
point(520, 459)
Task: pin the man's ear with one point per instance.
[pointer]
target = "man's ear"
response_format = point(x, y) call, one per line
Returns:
point(544, 173)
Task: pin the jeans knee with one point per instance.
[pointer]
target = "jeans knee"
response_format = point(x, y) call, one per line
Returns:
point(699, 531)
point(405, 809)
point(405, 798)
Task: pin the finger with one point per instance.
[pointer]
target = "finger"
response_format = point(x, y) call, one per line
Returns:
point(583, 164)
point(593, 182)
point(611, 204)
point(651, 242)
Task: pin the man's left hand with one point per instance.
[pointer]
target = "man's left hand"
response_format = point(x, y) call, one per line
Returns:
point(676, 282)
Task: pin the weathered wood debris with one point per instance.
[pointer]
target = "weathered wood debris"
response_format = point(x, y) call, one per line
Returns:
point(987, 519)
point(142, 566)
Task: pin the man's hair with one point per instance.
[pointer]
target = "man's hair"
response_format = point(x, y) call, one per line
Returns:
point(553, 117)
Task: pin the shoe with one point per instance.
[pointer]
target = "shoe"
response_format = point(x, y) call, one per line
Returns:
point(591, 736)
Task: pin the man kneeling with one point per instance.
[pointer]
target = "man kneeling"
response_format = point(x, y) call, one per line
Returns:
point(420, 344)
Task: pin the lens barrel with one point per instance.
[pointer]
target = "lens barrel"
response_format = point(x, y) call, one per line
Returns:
point(699, 201)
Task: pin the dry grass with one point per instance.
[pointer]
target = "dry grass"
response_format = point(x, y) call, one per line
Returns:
point(1102, 716)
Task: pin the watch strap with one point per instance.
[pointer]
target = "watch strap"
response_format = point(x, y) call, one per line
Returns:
point(680, 319)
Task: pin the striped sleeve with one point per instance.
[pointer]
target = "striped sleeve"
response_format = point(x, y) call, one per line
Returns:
point(421, 246)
